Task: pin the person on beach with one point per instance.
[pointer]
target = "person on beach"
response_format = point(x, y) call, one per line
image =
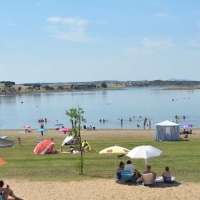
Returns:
point(5, 192)
point(118, 173)
point(129, 166)
point(148, 170)
point(135, 173)
point(166, 175)
point(121, 166)
point(19, 142)
point(41, 126)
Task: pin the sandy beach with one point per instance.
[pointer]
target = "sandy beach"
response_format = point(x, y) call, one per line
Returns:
point(100, 189)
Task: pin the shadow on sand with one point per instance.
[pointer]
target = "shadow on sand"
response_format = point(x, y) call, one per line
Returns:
point(157, 185)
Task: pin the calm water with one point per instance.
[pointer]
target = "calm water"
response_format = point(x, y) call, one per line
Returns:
point(153, 103)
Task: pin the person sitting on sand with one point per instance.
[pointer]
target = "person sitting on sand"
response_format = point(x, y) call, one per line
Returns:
point(118, 173)
point(129, 166)
point(86, 147)
point(5, 192)
point(148, 170)
point(166, 175)
point(121, 166)
point(135, 173)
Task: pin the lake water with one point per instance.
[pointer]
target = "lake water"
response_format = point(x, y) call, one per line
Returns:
point(112, 105)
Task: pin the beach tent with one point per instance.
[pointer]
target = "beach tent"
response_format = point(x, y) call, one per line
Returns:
point(44, 147)
point(167, 131)
point(6, 143)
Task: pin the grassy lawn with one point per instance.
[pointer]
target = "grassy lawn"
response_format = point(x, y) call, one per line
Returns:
point(181, 157)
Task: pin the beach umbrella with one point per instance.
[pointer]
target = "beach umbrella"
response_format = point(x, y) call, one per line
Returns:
point(27, 127)
point(116, 150)
point(64, 130)
point(185, 126)
point(59, 125)
point(44, 147)
point(144, 152)
point(67, 140)
point(2, 161)
point(41, 130)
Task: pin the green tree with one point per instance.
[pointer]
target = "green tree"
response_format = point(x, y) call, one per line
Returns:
point(76, 118)
point(104, 84)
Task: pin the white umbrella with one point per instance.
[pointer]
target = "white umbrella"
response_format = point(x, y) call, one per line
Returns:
point(144, 152)
point(67, 139)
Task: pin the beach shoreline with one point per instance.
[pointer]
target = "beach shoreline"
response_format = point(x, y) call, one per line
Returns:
point(67, 88)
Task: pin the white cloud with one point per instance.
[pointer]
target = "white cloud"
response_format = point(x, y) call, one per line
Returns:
point(195, 42)
point(54, 19)
point(161, 14)
point(161, 44)
point(148, 47)
point(71, 29)
point(101, 22)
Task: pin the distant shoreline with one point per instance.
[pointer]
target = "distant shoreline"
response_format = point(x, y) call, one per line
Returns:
point(24, 89)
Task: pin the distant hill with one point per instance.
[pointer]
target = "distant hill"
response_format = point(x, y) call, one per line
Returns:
point(176, 79)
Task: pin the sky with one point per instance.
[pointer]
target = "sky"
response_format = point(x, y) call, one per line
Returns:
point(94, 40)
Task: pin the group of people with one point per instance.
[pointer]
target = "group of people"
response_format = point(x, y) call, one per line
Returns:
point(6, 191)
point(137, 176)
point(186, 131)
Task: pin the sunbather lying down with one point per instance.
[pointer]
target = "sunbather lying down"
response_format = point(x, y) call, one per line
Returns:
point(5, 192)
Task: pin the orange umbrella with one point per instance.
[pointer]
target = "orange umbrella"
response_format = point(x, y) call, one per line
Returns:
point(2, 161)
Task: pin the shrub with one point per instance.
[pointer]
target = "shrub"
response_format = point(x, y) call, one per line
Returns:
point(104, 84)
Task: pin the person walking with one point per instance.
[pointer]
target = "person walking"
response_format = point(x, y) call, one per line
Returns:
point(19, 142)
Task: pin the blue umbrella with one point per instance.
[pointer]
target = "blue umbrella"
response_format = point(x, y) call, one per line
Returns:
point(41, 130)
point(58, 124)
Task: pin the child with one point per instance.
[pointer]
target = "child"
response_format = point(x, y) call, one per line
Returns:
point(19, 142)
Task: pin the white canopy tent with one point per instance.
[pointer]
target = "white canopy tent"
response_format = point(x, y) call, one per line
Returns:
point(167, 130)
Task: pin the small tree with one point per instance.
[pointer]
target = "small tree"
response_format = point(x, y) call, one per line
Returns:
point(104, 84)
point(76, 118)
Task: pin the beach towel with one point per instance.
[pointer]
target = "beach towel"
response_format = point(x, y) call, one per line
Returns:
point(159, 179)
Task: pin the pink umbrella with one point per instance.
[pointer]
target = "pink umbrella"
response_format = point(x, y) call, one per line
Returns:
point(65, 130)
point(44, 147)
point(26, 127)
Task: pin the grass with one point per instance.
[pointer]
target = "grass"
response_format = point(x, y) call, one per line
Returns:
point(181, 157)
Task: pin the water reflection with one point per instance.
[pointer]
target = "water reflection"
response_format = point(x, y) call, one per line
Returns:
point(154, 104)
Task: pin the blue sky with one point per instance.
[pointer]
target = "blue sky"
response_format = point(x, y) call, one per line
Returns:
point(88, 40)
